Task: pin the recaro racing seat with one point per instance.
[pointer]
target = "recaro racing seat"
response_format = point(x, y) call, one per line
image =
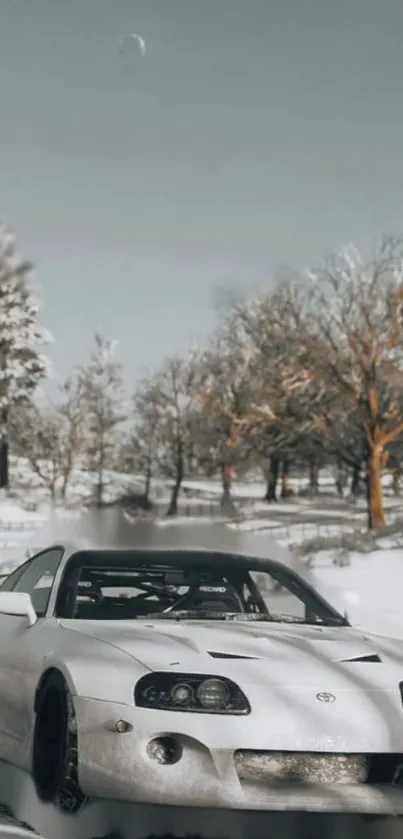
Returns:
point(215, 596)
point(89, 599)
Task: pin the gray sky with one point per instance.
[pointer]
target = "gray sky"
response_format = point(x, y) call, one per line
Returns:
point(254, 133)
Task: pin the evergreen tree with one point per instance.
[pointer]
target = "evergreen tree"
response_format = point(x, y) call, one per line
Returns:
point(22, 366)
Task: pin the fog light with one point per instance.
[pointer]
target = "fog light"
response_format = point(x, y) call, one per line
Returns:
point(121, 727)
point(164, 750)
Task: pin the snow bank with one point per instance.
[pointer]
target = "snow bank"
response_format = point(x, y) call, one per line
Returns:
point(377, 579)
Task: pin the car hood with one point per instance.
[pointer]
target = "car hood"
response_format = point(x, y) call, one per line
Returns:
point(244, 650)
point(310, 688)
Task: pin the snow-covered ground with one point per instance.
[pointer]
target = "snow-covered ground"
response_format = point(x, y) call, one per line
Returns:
point(376, 578)
point(373, 584)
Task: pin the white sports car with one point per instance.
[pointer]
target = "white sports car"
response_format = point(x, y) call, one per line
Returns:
point(11, 828)
point(193, 666)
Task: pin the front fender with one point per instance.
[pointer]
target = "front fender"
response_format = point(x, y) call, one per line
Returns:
point(99, 671)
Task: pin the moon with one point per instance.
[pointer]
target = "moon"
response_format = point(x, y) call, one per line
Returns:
point(141, 42)
point(132, 48)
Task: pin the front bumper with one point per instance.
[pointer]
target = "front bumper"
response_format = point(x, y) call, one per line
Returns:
point(117, 766)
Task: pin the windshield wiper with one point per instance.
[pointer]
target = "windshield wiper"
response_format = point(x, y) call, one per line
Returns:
point(198, 614)
point(312, 621)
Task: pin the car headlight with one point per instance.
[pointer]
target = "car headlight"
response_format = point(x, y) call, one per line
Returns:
point(190, 692)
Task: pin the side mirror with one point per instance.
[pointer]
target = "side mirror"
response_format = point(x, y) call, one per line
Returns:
point(351, 599)
point(18, 603)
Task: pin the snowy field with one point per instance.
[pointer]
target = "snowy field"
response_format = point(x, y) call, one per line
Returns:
point(373, 584)
point(374, 576)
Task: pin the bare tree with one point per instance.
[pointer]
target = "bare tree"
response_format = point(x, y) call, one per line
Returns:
point(284, 390)
point(72, 414)
point(169, 401)
point(141, 450)
point(39, 434)
point(101, 390)
point(343, 444)
point(224, 397)
point(354, 334)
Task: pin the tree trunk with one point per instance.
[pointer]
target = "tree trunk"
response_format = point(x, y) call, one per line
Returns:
point(173, 504)
point(313, 475)
point(227, 505)
point(4, 476)
point(355, 480)
point(376, 514)
point(66, 478)
point(272, 480)
point(340, 479)
point(148, 477)
point(4, 451)
point(226, 477)
point(63, 488)
point(99, 491)
point(396, 482)
point(285, 478)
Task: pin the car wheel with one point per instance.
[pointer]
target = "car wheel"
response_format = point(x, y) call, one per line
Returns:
point(54, 760)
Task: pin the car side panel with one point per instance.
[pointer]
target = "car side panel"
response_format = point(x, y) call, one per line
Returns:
point(91, 668)
point(22, 649)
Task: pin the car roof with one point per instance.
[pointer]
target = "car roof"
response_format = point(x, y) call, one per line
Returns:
point(110, 530)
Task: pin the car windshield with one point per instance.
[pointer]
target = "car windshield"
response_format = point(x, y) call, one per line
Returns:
point(188, 589)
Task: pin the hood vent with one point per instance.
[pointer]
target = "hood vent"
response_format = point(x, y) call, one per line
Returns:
point(363, 658)
point(232, 655)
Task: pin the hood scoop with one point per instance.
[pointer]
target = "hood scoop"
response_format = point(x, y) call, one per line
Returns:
point(362, 658)
point(232, 656)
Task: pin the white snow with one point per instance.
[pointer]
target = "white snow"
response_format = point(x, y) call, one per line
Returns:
point(292, 534)
point(12, 512)
point(376, 578)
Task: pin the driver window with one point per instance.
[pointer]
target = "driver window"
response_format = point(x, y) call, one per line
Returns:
point(36, 578)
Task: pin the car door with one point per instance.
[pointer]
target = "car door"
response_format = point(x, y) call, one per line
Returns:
point(22, 649)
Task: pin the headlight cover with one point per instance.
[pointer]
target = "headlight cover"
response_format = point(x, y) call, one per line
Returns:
point(200, 694)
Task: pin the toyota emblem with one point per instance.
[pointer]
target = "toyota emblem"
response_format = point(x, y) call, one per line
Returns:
point(326, 697)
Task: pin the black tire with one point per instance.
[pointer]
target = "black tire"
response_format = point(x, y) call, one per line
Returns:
point(54, 759)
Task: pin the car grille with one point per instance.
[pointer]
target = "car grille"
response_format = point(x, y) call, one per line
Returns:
point(316, 768)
